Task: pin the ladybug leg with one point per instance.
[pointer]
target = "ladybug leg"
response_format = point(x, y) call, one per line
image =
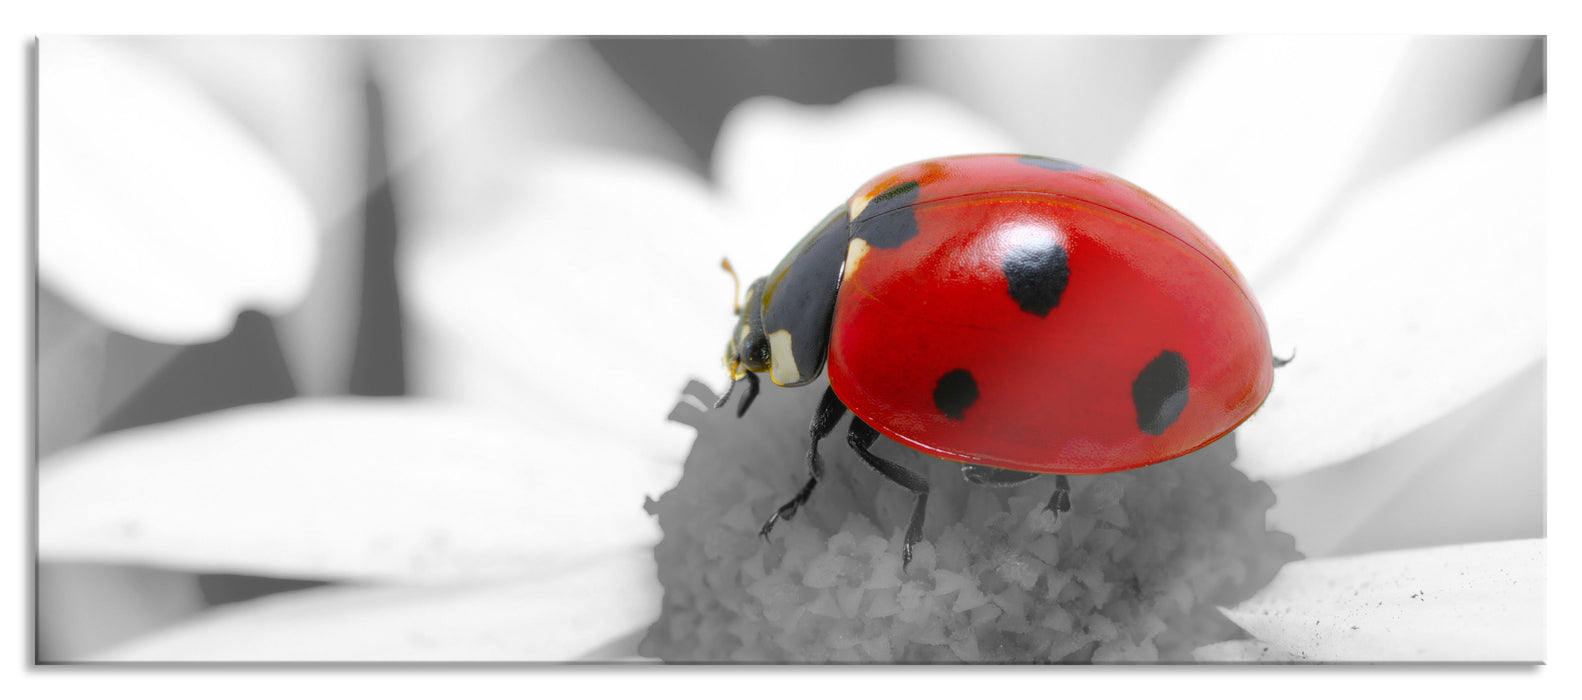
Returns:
point(861, 437)
point(752, 393)
point(995, 477)
point(1281, 362)
point(830, 409)
point(747, 399)
point(1060, 500)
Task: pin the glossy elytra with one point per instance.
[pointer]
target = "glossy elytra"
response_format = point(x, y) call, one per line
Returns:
point(1018, 314)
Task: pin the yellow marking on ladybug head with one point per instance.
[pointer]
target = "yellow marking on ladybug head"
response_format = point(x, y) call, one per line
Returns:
point(855, 250)
point(782, 368)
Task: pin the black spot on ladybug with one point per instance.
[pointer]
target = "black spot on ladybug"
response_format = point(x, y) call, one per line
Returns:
point(955, 393)
point(1160, 392)
point(1055, 164)
point(1037, 273)
point(888, 221)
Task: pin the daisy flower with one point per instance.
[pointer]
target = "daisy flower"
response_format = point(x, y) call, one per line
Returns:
point(564, 300)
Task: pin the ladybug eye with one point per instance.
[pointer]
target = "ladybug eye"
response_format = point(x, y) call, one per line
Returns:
point(755, 352)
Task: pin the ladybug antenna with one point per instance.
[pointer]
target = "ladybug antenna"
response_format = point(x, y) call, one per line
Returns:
point(1278, 362)
point(729, 388)
point(736, 286)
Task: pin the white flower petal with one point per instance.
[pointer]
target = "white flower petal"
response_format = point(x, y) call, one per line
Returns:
point(301, 98)
point(297, 96)
point(1081, 98)
point(783, 166)
point(349, 488)
point(1476, 475)
point(555, 618)
point(472, 110)
point(585, 307)
point(157, 213)
point(1242, 651)
point(1475, 602)
point(1426, 291)
point(1444, 86)
point(1260, 135)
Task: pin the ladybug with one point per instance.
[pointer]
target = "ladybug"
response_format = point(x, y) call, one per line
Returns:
point(1018, 314)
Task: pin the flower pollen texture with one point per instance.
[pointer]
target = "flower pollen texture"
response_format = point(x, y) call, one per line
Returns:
point(1133, 573)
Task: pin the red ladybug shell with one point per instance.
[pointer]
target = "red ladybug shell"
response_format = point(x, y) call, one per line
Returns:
point(1030, 314)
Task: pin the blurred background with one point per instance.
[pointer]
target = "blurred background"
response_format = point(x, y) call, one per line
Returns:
point(383, 142)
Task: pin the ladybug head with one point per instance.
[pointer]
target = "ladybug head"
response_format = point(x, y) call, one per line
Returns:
point(748, 349)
